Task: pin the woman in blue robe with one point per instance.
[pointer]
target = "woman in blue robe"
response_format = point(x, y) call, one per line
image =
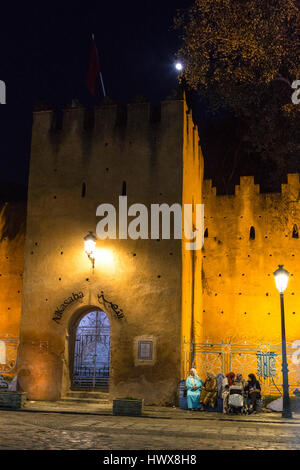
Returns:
point(194, 387)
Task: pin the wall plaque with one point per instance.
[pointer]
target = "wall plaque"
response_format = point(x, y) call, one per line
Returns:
point(145, 350)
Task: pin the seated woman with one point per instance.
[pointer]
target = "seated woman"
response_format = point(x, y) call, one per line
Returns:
point(253, 389)
point(227, 382)
point(209, 392)
point(194, 387)
point(238, 380)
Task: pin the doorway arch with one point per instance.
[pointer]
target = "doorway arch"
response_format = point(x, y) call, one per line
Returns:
point(91, 364)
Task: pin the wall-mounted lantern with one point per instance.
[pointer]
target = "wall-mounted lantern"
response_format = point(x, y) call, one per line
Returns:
point(89, 246)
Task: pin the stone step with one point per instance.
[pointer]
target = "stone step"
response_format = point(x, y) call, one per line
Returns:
point(74, 400)
point(84, 394)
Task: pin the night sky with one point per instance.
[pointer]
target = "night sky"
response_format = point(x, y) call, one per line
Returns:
point(44, 55)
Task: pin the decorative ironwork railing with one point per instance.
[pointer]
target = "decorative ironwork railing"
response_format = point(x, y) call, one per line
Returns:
point(85, 371)
point(264, 360)
point(8, 355)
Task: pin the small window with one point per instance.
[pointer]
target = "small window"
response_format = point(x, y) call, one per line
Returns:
point(295, 232)
point(206, 233)
point(83, 190)
point(252, 233)
point(145, 350)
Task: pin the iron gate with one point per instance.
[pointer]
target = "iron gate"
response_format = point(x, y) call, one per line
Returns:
point(92, 352)
point(264, 360)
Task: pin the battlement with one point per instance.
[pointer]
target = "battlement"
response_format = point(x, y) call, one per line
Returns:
point(191, 129)
point(133, 115)
point(247, 187)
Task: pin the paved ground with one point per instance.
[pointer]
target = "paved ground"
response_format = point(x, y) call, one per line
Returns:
point(46, 426)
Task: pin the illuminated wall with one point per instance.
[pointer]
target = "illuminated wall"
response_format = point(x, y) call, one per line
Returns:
point(192, 327)
point(248, 235)
point(75, 166)
point(12, 230)
point(224, 292)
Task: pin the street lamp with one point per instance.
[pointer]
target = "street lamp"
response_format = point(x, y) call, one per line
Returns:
point(89, 246)
point(281, 280)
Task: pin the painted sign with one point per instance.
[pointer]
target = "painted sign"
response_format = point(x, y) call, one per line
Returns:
point(60, 310)
point(115, 308)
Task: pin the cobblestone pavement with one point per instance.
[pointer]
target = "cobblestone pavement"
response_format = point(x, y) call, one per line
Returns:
point(55, 430)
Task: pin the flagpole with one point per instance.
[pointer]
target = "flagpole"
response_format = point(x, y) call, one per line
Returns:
point(100, 73)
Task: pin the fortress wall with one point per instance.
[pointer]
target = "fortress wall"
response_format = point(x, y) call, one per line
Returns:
point(12, 233)
point(192, 317)
point(240, 300)
point(143, 277)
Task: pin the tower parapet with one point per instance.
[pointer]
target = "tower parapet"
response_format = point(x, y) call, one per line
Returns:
point(130, 117)
point(247, 235)
point(247, 186)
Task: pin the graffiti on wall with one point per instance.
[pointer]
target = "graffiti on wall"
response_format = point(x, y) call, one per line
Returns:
point(296, 354)
point(264, 360)
point(8, 355)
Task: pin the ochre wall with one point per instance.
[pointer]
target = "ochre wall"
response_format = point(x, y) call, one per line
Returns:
point(225, 292)
point(192, 310)
point(144, 278)
point(240, 300)
point(12, 230)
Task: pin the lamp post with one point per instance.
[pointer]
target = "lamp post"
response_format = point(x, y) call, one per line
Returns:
point(281, 280)
point(89, 246)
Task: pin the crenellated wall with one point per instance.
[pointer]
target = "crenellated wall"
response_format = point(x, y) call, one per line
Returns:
point(12, 233)
point(192, 327)
point(75, 167)
point(224, 292)
point(240, 300)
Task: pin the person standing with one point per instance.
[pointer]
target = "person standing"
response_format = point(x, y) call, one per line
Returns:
point(194, 387)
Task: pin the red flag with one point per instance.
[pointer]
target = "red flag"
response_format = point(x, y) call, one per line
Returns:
point(94, 69)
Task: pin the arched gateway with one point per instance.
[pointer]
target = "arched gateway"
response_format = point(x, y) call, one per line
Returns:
point(92, 352)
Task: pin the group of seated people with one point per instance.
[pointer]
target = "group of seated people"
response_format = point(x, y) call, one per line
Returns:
point(201, 395)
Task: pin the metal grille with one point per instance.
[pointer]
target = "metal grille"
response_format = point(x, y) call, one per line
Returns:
point(145, 350)
point(8, 355)
point(92, 352)
point(264, 360)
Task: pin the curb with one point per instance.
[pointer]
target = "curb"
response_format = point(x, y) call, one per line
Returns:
point(147, 414)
